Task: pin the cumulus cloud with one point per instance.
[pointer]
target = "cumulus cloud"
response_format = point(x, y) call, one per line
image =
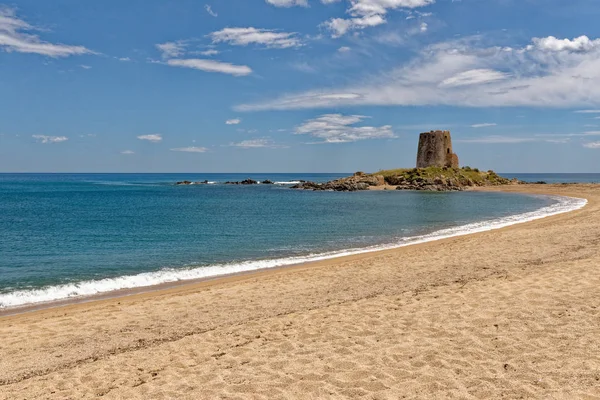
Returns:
point(234, 121)
point(580, 44)
point(265, 37)
point(154, 138)
point(50, 139)
point(288, 3)
point(366, 13)
point(466, 72)
point(127, 152)
point(344, 49)
point(15, 35)
point(484, 125)
point(338, 128)
point(191, 149)
point(211, 66)
point(258, 143)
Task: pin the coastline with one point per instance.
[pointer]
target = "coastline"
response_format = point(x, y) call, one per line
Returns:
point(503, 312)
point(88, 291)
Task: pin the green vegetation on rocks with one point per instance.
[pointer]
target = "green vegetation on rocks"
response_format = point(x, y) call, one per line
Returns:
point(441, 179)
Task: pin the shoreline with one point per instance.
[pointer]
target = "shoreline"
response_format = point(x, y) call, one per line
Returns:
point(301, 261)
point(509, 313)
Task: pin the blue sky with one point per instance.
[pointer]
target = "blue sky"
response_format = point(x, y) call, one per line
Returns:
point(297, 85)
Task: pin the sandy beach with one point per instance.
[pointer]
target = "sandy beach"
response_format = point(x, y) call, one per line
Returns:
point(511, 313)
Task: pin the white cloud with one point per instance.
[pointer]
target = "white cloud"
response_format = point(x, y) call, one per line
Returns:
point(580, 44)
point(234, 121)
point(366, 13)
point(474, 77)
point(338, 128)
point(172, 49)
point(265, 37)
point(85, 66)
point(154, 138)
point(484, 125)
point(498, 139)
point(587, 112)
point(258, 143)
point(210, 11)
point(344, 49)
point(211, 66)
point(423, 27)
point(210, 52)
point(15, 35)
point(127, 152)
point(339, 26)
point(50, 139)
point(592, 145)
point(288, 3)
point(124, 59)
point(466, 73)
point(191, 149)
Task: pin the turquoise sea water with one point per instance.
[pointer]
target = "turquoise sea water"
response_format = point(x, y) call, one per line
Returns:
point(66, 235)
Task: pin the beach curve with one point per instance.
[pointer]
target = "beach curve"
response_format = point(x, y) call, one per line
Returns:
point(472, 316)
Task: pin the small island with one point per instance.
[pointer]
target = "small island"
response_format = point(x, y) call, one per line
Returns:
point(437, 170)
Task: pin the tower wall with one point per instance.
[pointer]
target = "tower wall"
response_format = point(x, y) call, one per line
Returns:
point(435, 150)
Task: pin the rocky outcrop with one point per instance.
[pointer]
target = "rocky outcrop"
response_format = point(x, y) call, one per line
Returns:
point(192, 183)
point(359, 181)
point(427, 179)
point(244, 182)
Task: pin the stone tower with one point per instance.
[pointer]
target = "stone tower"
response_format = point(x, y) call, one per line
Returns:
point(435, 150)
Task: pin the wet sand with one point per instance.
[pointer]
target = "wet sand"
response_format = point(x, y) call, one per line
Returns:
point(511, 313)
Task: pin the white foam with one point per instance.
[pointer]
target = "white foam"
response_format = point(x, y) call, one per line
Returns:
point(88, 288)
point(288, 183)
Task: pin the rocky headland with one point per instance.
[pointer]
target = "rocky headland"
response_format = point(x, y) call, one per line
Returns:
point(439, 179)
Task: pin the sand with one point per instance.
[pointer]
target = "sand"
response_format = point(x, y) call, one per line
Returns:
point(512, 313)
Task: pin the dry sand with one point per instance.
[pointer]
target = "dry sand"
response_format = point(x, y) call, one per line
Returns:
point(512, 313)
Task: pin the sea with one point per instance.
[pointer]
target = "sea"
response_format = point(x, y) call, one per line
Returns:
point(69, 236)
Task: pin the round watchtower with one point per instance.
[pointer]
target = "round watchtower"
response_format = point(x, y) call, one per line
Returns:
point(435, 150)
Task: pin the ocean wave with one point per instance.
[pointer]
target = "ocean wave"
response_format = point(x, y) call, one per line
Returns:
point(147, 279)
point(288, 183)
